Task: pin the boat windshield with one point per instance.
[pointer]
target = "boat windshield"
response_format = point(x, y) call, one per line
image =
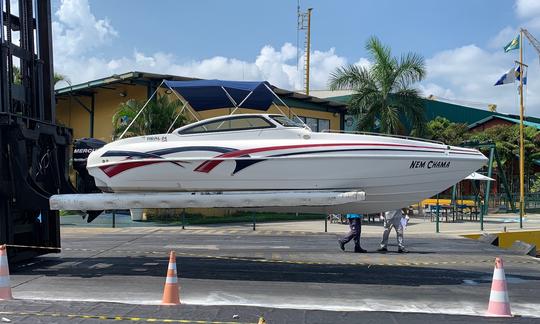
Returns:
point(285, 122)
point(230, 124)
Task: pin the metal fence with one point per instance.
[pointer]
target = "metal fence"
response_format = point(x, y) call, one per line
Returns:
point(501, 203)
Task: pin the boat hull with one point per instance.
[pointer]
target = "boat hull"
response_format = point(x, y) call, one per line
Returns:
point(389, 179)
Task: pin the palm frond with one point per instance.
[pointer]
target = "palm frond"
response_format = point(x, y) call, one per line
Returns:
point(366, 121)
point(381, 54)
point(409, 101)
point(348, 77)
point(384, 65)
point(156, 118)
point(411, 69)
point(364, 99)
point(390, 122)
point(125, 113)
point(383, 92)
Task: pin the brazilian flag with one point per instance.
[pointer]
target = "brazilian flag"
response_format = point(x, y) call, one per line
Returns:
point(514, 44)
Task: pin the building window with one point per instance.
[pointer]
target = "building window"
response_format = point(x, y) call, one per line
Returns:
point(350, 123)
point(324, 124)
point(316, 124)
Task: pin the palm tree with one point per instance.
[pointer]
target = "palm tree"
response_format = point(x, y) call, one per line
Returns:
point(383, 92)
point(57, 77)
point(156, 118)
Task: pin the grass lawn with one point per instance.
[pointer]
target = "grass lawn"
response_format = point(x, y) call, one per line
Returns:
point(240, 217)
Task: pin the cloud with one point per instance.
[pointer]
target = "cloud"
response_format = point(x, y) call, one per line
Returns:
point(14, 7)
point(76, 29)
point(466, 65)
point(529, 12)
point(468, 73)
point(322, 64)
point(278, 66)
point(78, 33)
point(527, 8)
point(503, 37)
point(428, 89)
point(364, 62)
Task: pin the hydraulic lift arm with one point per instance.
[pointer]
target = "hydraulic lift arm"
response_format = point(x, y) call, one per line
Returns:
point(534, 42)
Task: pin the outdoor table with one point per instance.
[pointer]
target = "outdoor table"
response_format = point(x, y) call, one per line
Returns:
point(473, 212)
point(443, 211)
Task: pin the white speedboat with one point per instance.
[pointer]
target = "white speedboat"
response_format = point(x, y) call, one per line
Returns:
point(265, 152)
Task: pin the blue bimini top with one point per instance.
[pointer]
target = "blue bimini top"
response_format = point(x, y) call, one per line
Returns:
point(214, 94)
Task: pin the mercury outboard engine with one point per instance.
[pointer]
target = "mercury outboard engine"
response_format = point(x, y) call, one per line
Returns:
point(85, 182)
point(81, 150)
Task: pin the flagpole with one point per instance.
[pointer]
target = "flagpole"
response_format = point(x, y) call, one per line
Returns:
point(521, 148)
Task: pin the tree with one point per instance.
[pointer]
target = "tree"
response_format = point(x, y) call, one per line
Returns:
point(17, 79)
point(156, 118)
point(57, 77)
point(17, 75)
point(384, 92)
point(441, 129)
point(506, 139)
point(535, 184)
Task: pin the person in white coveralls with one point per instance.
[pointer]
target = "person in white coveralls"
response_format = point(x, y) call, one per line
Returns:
point(396, 219)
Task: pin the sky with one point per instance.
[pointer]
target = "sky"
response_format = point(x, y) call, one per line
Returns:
point(461, 41)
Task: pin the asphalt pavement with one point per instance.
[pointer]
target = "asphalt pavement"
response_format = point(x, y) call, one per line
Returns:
point(46, 312)
point(286, 276)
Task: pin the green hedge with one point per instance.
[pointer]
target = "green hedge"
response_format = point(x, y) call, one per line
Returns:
point(238, 217)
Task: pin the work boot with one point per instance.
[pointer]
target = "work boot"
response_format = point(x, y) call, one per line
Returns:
point(402, 250)
point(341, 245)
point(358, 249)
point(382, 249)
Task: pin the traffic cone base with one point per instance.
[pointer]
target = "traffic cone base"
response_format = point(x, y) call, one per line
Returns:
point(5, 285)
point(171, 295)
point(499, 304)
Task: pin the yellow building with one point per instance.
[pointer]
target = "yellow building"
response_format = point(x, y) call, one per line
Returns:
point(88, 107)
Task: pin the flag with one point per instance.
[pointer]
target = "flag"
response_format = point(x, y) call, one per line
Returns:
point(524, 75)
point(511, 76)
point(514, 44)
point(508, 77)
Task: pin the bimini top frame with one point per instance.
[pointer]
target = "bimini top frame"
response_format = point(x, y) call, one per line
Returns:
point(201, 95)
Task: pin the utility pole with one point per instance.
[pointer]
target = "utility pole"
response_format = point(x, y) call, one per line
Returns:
point(521, 144)
point(536, 45)
point(308, 49)
point(304, 23)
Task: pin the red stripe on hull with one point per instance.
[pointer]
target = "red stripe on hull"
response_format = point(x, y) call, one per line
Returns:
point(112, 170)
point(209, 165)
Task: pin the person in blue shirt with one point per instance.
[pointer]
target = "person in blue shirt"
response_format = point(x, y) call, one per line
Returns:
point(355, 225)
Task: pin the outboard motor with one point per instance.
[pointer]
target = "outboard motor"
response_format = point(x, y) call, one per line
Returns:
point(85, 182)
point(81, 150)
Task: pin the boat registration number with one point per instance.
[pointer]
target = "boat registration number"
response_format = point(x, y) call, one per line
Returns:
point(429, 165)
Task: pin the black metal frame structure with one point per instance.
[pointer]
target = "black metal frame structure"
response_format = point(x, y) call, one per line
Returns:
point(34, 150)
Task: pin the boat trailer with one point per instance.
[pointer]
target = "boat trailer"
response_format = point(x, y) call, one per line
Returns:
point(222, 199)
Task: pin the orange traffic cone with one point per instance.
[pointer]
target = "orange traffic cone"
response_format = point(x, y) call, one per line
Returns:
point(499, 304)
point(5, 286)
point(170, 292)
